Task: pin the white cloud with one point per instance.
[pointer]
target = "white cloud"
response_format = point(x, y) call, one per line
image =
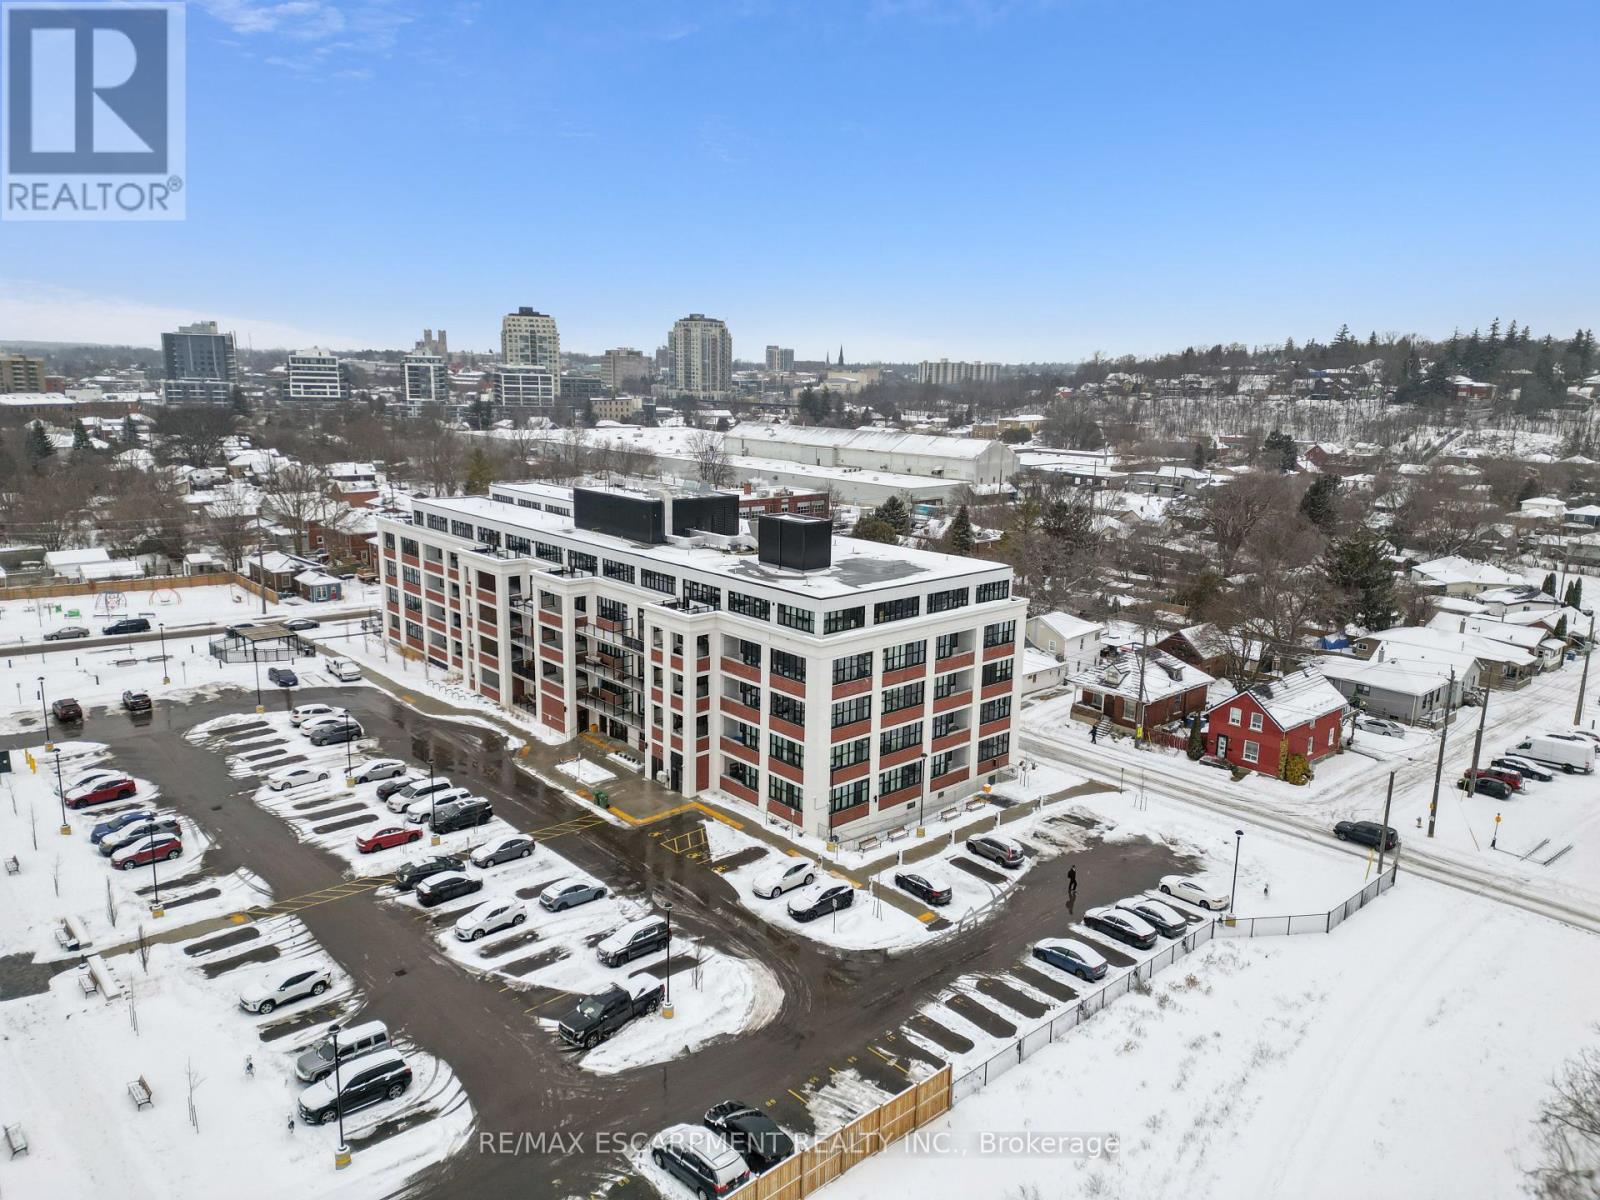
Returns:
point(315, 36)
point(37, 312)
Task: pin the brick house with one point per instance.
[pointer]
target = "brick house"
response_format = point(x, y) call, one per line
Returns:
point(1258, 728)
point(1203, 646)
point(1133, 689)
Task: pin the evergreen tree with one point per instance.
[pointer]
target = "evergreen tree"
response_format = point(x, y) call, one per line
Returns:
point(1561, 627)
point(1528, 490)
point(80, 439)
point(1549, 587)
point(1198, 458)
point(1318, 504)
point(959, 539)
point(588, 413)
point(1363, 578)
point(1574, 594)
point(1278, 451)
point(241, 406)
point(895, 514)
point(38, 446)
point(480, 474)
point(130, 434)
point(1197, 739)
point(875, 529)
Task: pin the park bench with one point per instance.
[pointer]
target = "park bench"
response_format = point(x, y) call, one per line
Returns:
point(16, 1140)
point(70, 935)
point(139, 1092)
point(86, 983)
point(12, 865)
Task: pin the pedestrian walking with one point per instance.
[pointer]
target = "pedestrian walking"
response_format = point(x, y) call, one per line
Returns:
point(1094, 733)
point(1072, 881)
point(249, 1067)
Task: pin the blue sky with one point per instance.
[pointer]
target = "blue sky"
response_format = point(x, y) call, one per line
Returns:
point(968, 178)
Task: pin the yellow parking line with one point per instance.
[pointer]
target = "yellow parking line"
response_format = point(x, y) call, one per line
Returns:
point(796, 1095)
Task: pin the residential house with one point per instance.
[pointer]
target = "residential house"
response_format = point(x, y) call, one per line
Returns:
point(277, 570)
point(1419, 693)
point(1500, 664)
point(1141, 689)
point(1067, 639)
point(318, 586)
point(1204, 646)
point(1457, 576)
point(1535, 640)
point(1260, 727)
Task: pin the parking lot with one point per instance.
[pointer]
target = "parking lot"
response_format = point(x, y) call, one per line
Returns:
point(823, 1032)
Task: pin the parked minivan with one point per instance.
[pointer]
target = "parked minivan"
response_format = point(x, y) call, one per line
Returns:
point(316, 1061)
point(128, 625)
point(1569, 753)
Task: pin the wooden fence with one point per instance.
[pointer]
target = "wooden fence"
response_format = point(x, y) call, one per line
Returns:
point(145, 583)
point(832, 1155)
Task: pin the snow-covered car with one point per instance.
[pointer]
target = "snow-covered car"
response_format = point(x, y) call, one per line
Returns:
point(369, 1080)
point(796, 874)
point(375, 769)
point(288, 777)
point(344, 670)
point(302, 713)
point(1003, 851)
point(569, 893)
point(490, 916)
point(699, 1159)
point(1070, 955)
point(157, 826)
point(292, 981)
point(399, 799)
point(1122, 926)
point(647, 935)
point(93, 776)
point(387, 838)
point(102, 791)
point(503, 851)
point(1381, 725)
point(121, 821)
point(421, 810)
point(926, 884)
point(1167, 921)
point(1525, 767)
point(1194, 891)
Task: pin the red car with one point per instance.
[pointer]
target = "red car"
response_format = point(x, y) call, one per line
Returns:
point(102, 791)
point(162, 848)
point(1512, 779)
point(389, 837)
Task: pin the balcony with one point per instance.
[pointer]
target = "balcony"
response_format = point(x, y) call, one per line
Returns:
point(551, 653)
point(749, 672)
point(948, 779)
point(853, 687)
point(846, 815)
point(956, 662)
point(957, 737)
point(739, 750)
point(788, 729)
point(791, 687)
point(546, 617)
point(953, 700)
point(732, 708)
point(734, 788)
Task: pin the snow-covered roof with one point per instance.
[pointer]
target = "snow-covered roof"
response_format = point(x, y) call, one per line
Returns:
point(1163, 676)
point(1519, 636)
point(1454, 569)
point(1409, 678)
point(117, 568)
point(1458, 604)
point(314, 579)
point(887, 441)
point(1297, 698)
point(1441, 641)
point(1066, 626)
point(56, 559)
point(1206, 640)
point(1037, 662)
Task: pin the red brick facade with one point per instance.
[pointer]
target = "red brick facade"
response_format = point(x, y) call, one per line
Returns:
point(1315, 739)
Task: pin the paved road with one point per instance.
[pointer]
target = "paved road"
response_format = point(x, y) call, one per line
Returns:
point(836, 1006)
point(176, 631)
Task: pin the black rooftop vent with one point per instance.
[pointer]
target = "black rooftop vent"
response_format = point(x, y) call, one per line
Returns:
point(794, 543)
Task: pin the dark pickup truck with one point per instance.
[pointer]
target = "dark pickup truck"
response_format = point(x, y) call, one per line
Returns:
point(597, 1017)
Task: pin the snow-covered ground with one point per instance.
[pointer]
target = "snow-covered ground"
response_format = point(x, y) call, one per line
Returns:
point(1394, 1056)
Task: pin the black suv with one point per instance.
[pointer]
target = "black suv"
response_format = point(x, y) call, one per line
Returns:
point(128, 625)
point(374, 1077)
point(467, 815)
point(408, 876)
point(136, 702)
point(1367, 833)
point(440, 888)
point(634, 940)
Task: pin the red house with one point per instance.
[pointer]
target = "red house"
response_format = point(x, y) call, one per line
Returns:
point(1260, 727)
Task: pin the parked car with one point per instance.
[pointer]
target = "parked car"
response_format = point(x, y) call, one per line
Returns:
point(316, 1061)
point(128, 625)
point(304, 712)
point(753, 1135)
point(1152, 912)
point(504, 851)
point(66, 711)
point(490, 917)
point(273, 988)
point(647, 935)
point(795, 874)
point(300, 624)
point(1194, 891)
point(569, 893)
point(997, 849)
point(379, 1076)
point(288, 777)
point(378, 768)
point(283, 677)
point(699, 1159)
point(468, 814)
point(400, 798)
point(311, 724)
point(1525, 767)
point(1368, 833)
point(1512, 779)
point(136, 702)
point(1588, 735)
point(1568, 753)
point(597, 1017)
point(145, 851)
point(431, 804)
point(1074, 957)
point(1122, 926)
point(1486, 785)
point(1381, 725)
point(102, 791)
point(394, 784)
point(446, 885)
point(66, 633)
point(344, 670)
point(155, 827)
point(237, 630)
point(388, 837)
point(336, 733)
point(121, 821)
point(927, 886)
point(813, 903)
point(95, 775)
point(408, 876)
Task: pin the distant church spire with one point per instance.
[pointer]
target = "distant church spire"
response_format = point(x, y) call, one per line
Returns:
point(841, 354)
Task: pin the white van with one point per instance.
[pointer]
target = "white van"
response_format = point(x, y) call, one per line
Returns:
point(1569, 753)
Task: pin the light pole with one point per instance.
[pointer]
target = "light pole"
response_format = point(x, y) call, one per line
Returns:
point(1438, 770)
point(61, 794)
point(44, 709)
point(666, 982)
point(341, 1156)
point(256, 659)
point(349, 764)
point(433, 806)
point(161, 629)
point(155, 898)
point(1383, 835)
point(1238, 836)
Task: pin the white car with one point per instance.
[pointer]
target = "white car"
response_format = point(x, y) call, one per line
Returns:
point(290, 777)
point(1381, 725)
point(292, 981)
point(693, 1152)
point(344, 670)
point(569, 893)
point(490, 916)
point(1194, 891)
point(298, 716)
point(375, 769)
point(400, 800)
point(797, 874)
point(309, 725)
point(419, 812)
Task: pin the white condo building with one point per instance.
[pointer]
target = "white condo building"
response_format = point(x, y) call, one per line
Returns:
point(947, 374)
point(315, 375)
point(840, 685)
point(702, 357)
point(525, 387)
point(529, 338)
point(425, 379)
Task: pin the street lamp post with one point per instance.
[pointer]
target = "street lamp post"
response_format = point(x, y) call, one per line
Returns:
point(666, 983)
point(161, 629)
point(61, 794)
point(44, 710)
point(1238, 836)
point(155, 882)
point(433, 806)
point(256, 659)
point(341, 1156)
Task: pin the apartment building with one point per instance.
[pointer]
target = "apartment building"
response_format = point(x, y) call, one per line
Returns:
point(945, 373)
point(425, 380)
point(625, 365)
point(531, 339)
point(840, 685)
point(780, 360)
point(314, 375)
point(21, 373)
point(702, 357)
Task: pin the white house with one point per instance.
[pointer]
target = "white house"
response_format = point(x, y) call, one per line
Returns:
point(1067, 639)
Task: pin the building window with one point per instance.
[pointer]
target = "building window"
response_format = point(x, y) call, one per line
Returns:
point(1234, 716)
point(1251, 752)
point(408, 546)
point(787, 708)
point(841, 620)
point(912, 654)
point(898, 779)
point(848, 670)
point(413, 631)
point(997, 672)
point(547, 552)
point(994, 710)
point(790, 666)
point(702, 593)
point(847, 795)
point(994, 747)
point(998, 590)
point(461, 529)
point(749, 606)
point(848, 754)
point(906, 696)
point(487, 536)
point(802, 619)
point(786, 751)
point(785, 793)
point(892, 741)
point(903, 609)
point(946, 600)
point(388, 542)
point(942, 764)
point(580, 563)
point(745, 735)
point(657, 582)
point(411, 575)
point(1002, 633)
point(948, 645)
point(434, 521)
point(750, 696)
point(947, 685)
point(944, 724)
point(618, 570)
point(611, 610)
point(1331, 733)
point(848, 712)
point(742, 772)
point(1255, 723)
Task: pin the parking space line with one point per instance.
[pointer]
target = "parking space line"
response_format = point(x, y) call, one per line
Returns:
point(796, 1095)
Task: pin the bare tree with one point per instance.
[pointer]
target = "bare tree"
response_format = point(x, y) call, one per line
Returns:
point(1229, 513)
point(1570, 1128)
point(711, 459)
point(194, 433)
point(298, 496)
point(229, 521)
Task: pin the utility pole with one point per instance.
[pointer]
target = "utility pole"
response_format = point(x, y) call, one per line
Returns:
point(1583, 680)
point(1383, 835)
point(1438, 770)
point(1477, 741)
